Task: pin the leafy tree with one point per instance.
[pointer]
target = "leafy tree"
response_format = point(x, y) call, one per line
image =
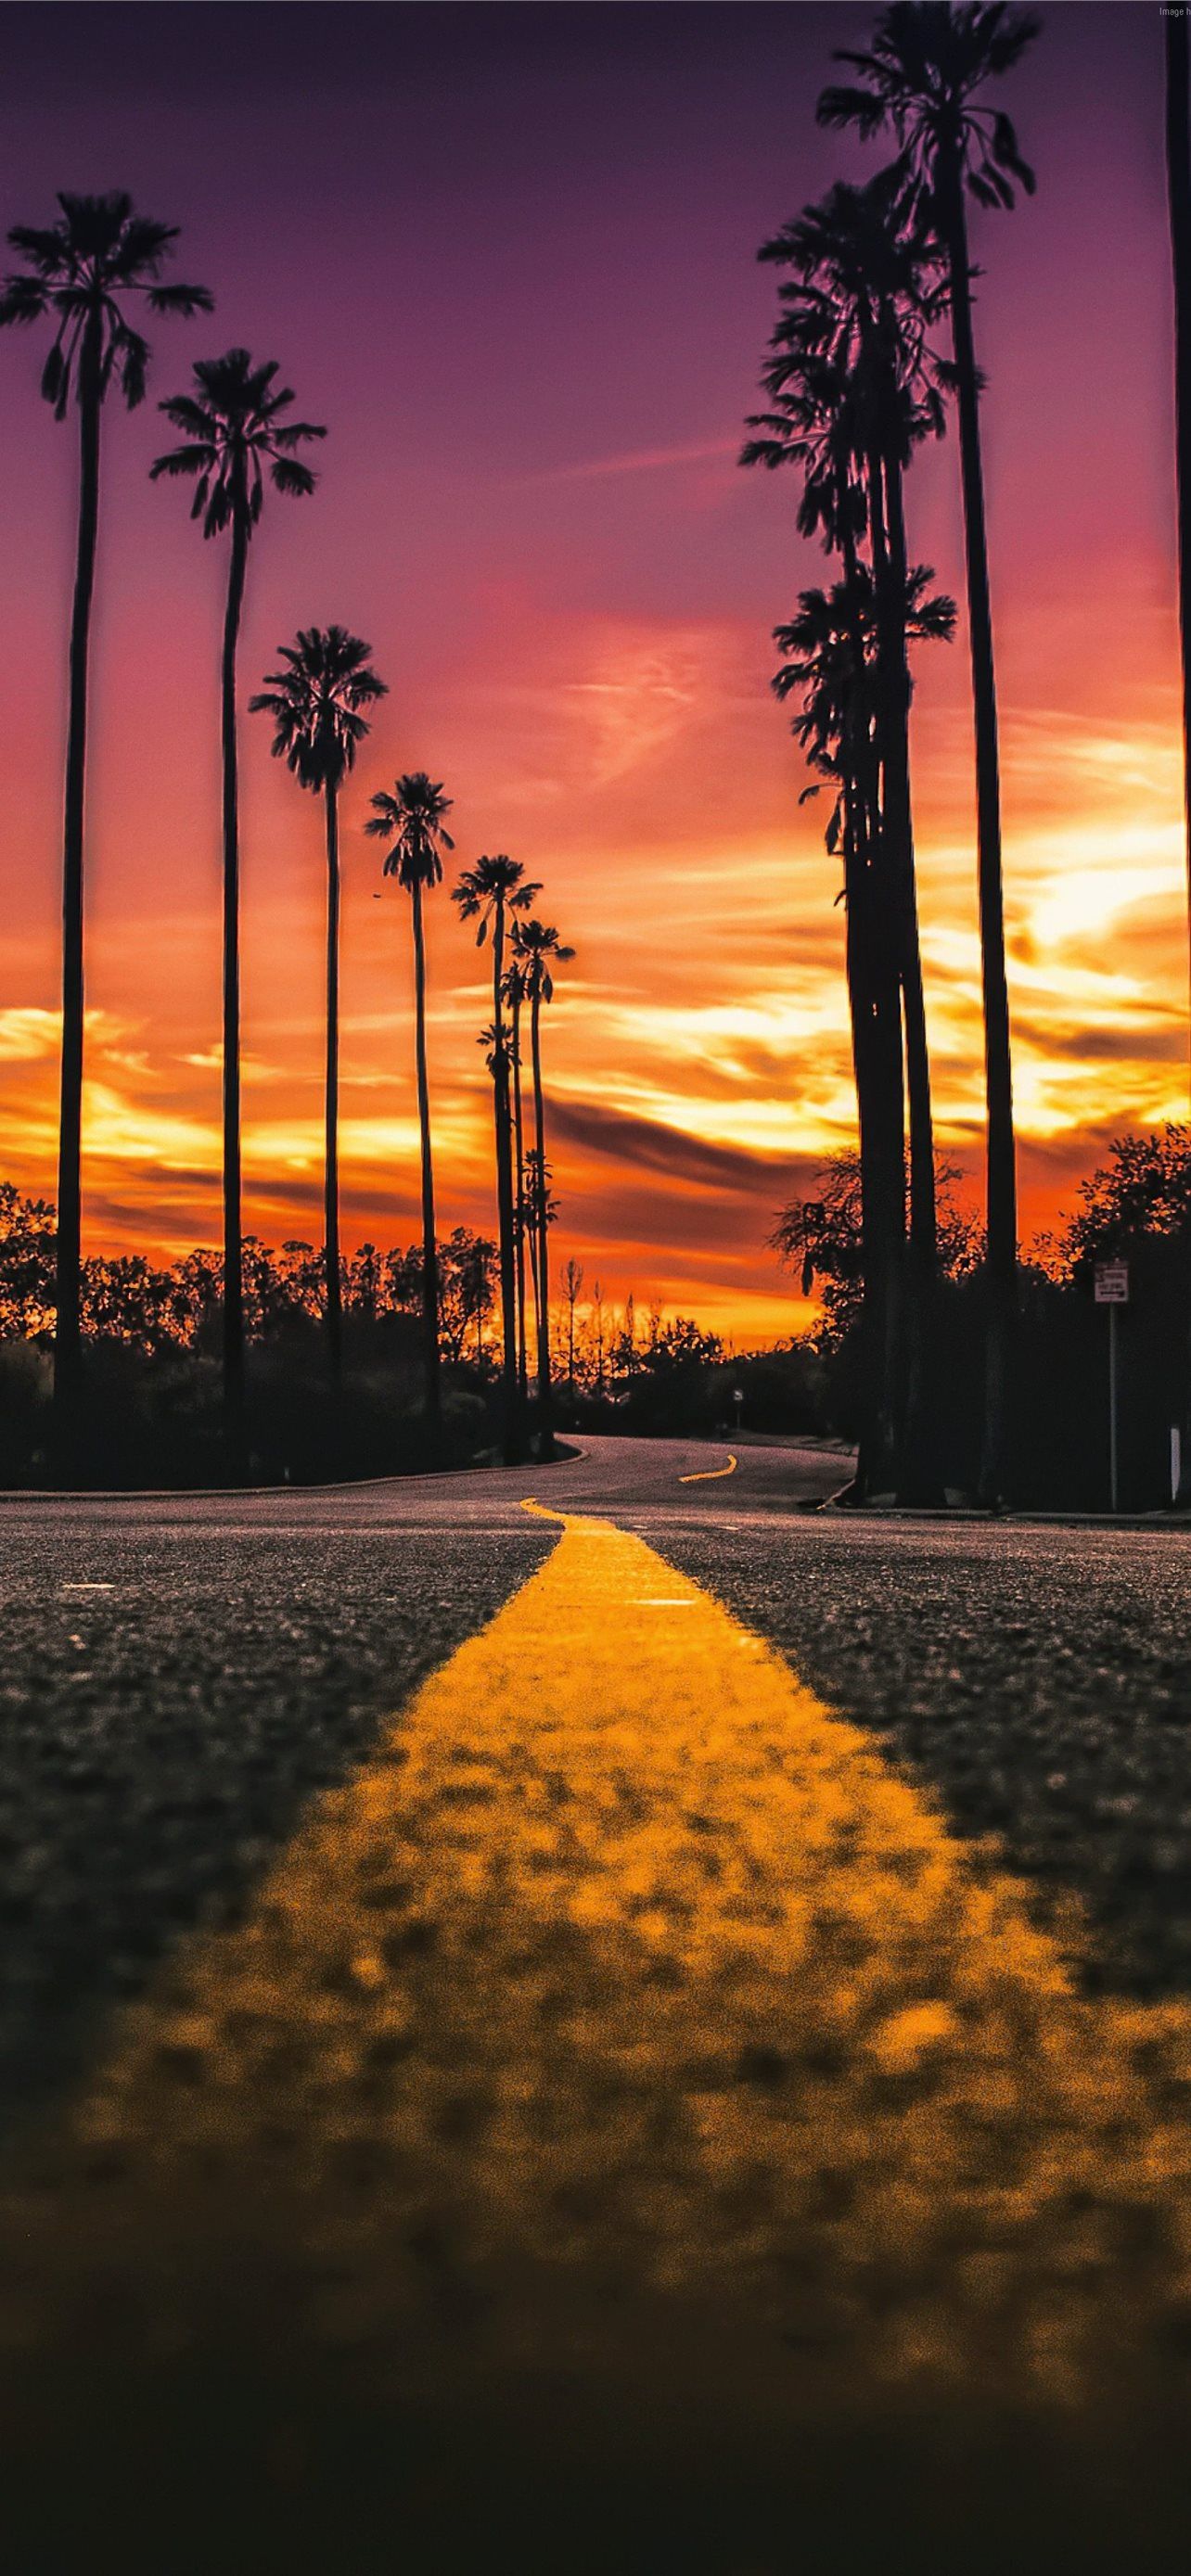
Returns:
point(27, 1265)
point(413, 820)
point(572, 1289)
point(234, 436)
point(820, 1238)
point(922, 77)
point(491, 893)
point(317, 703)
point(467, 1271)
point(83, 273)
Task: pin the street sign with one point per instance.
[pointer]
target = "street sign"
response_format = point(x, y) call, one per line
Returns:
point(1112, 1283)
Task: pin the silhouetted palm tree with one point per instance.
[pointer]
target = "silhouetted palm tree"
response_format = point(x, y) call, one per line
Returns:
point(514, 988)
point(316, 704)
point(831, 650)
point(921, 76)
point(1178, 191)
point(538, 948)
point(81, 272)
point(862, 299)
point(489, 893)
point(412, 818)
point(234, 433)
point(853, 382)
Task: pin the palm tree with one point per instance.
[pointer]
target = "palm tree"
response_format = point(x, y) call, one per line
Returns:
point(922, 76)
point(82, 272)
point(316, 704)
point(855, 387)
point(1178, 191)
point(538, 947)
point(830, 651)
point(413, 820)
point(514, 988)
point(234, 434)
point(489, 893)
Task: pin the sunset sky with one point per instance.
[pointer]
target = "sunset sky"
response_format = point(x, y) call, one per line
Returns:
point(507, 254)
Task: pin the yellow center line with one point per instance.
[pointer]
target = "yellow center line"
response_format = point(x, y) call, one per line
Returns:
point(628, 1967)
point(707, 1475)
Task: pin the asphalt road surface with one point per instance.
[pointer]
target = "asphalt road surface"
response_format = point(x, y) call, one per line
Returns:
point(646, 2031)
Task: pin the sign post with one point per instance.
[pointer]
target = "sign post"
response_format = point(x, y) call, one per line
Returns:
point(1112, 1290)
point(738, 1401)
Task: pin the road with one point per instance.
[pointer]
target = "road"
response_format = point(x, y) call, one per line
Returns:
point(648, 2030)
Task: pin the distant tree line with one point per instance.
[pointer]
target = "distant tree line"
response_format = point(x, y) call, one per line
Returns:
point(154, 1333)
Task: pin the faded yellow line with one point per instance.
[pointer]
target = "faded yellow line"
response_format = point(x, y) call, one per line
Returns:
point(627, 1980)
point(707, 1475)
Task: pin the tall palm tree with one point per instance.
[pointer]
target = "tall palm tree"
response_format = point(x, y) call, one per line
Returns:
point(317, 705)
point(538, 948)
point(854, 382)
point(490, 893)
point(1178, 194)
point(412, 818)
point(830, 651)
point(234, 435)
point(922, 77)
point(515, 996)
point(83, 272)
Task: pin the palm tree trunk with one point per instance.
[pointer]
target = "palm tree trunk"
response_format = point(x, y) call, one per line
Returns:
point(68, 1257)
point(1002, 1167)
point(510, 1390)
point(429, 1239)
point(874, 1000)
point(331, 1160)
point(542, 1231)
point(1178, 189)
point(919, 1479)
point(519, 1179)
point(233, 1250)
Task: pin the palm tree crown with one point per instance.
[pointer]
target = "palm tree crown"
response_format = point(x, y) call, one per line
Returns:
point(413, 818)
point(535, 943)
point(493, 885)
point(851, 341)
point(234, 433)
point(80, 270)
point(316, 704)
point(921, 74)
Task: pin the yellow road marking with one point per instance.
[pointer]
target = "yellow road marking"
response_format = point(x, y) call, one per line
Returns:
point(627, 1967)
point(708, 1475)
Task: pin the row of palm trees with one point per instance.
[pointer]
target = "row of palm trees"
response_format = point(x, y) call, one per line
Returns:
point(237, 437)
point(855, 384)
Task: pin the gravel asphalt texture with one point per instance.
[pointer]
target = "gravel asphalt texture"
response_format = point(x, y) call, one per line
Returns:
point(1035, 1679)
point(185, 1675)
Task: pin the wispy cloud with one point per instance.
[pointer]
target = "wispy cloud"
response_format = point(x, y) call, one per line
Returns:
point(641, 460)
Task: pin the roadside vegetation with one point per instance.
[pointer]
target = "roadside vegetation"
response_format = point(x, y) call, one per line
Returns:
point(151, 1341)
